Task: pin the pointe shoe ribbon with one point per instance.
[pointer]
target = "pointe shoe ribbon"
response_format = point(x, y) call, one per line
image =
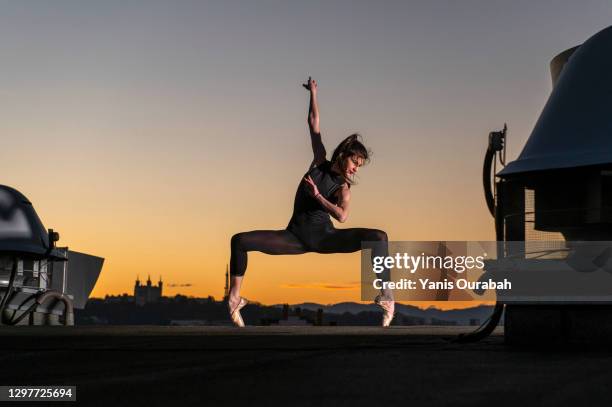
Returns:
point(235, 313)
point(388, 310)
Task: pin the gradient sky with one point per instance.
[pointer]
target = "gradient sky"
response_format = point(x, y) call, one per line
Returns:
point(149, 132)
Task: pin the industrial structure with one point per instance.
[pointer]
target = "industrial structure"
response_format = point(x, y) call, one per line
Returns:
point(554, 202)
point(40, 283)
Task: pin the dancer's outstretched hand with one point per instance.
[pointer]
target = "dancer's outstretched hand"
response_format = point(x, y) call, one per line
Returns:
point(310, 85)
point(312, 187)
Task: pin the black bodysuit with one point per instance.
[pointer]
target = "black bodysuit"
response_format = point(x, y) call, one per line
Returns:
point(310, 228)
point(310, 222)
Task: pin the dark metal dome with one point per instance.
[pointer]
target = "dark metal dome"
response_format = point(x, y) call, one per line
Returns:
point(575, 127)
point(21, 231)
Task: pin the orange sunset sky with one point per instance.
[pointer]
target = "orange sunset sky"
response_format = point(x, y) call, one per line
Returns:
point(148, 133)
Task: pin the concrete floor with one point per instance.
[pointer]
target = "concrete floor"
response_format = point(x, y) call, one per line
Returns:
point(299, 366)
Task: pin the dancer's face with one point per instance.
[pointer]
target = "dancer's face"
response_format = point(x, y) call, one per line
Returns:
point(351, 165)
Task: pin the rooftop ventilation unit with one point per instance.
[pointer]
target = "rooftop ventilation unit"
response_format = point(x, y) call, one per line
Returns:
point(40, 283)
point(558, 192)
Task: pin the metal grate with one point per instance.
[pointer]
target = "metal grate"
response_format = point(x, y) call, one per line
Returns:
point(539, 244)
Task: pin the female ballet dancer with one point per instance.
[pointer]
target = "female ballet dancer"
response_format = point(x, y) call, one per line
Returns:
point(324, 191)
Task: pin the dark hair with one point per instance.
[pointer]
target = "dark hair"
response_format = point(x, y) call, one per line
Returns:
point(348, 147)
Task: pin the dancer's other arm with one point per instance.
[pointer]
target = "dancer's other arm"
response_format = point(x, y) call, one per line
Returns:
point(318, 149)
point(339, 212)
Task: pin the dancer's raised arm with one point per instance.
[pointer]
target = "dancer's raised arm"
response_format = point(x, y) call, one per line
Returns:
point(318, 149)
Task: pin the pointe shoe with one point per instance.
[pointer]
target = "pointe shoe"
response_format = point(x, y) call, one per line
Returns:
point(235, 313)
point(388, 310)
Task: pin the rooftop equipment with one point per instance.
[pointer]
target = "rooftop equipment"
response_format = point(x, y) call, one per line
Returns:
point(559, 189)
point(40, 283)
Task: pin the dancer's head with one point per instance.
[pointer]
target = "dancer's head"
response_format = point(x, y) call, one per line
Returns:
point(349, 156)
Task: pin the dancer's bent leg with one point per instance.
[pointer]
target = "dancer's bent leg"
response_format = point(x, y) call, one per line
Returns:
point(350, 240)
point(265, 241)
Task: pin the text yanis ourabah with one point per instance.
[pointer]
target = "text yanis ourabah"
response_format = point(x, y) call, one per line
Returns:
point(411, 264)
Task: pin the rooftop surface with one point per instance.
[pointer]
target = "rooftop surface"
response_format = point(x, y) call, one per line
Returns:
point(295, 366)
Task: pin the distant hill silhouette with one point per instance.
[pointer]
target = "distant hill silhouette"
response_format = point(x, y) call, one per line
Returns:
point(122, 310)
point(460, 316)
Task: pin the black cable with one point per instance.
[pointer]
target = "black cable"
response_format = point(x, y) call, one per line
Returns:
point(486, 180)
point(9, 289)
point(496, 143)
point(24, 314)
point(483, 330)
point(13, 321)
